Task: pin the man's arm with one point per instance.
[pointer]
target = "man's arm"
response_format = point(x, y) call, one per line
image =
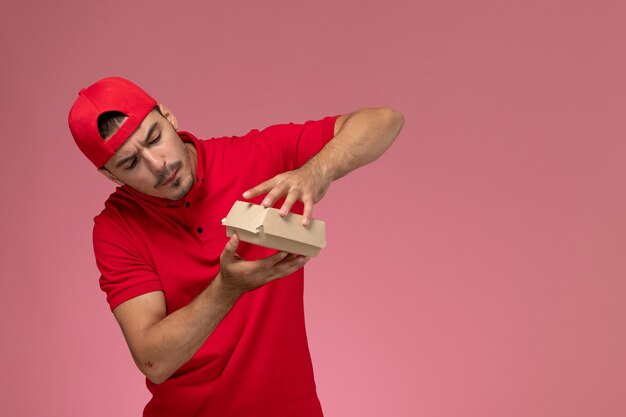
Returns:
point(160, 344)
point(360, 138)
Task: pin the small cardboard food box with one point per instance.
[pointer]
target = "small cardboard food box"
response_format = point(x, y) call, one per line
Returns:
point(264, 226)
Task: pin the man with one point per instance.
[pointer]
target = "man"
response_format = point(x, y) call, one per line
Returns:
point(206, 318)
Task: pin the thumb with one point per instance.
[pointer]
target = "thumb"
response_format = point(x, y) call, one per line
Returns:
point(229, 250)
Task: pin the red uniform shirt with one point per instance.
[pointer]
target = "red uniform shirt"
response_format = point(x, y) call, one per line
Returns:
point(256, 362)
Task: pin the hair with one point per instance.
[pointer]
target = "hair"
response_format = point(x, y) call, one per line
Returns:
point(109, 122)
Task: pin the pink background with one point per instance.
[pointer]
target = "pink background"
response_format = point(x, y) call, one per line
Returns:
point(476, 269)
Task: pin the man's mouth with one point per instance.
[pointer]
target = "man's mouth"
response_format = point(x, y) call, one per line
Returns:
point(170, 178)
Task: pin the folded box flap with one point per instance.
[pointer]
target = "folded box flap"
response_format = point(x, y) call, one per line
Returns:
point(290, 227)
point(246, 216)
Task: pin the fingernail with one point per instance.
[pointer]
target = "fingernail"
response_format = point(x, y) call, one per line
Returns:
point(283, 212)
point(306, 221)
point(283, 254)
point(246, 194)
point(266, 202)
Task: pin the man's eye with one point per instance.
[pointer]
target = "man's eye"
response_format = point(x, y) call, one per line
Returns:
point(155, 140)
point(132, 165)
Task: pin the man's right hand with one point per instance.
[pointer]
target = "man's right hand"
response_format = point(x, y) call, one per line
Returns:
point(238, 275)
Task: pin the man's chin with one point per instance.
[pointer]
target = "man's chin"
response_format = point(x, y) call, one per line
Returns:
point(182, 190)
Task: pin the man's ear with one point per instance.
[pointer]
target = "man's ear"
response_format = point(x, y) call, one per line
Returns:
point(168, 115)
point(110, 176)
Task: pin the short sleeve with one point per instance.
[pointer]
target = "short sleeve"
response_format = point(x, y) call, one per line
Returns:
point(300, 142)
point(125, 269)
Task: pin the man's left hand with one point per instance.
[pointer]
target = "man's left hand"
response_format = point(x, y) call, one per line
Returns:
point(304, 184)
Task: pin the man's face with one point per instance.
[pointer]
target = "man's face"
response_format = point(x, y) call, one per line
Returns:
point(154, 160)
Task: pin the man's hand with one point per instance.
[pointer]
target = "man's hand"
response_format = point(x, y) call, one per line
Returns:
point(359, 138)
point(306, 184)
point(238, 275)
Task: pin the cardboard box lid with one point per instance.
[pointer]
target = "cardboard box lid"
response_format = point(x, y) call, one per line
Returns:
point(255, 218)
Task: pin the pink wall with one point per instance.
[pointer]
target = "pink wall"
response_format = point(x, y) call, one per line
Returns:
point(476, 269)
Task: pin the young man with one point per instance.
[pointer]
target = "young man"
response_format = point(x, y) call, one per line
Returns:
point(206, 318)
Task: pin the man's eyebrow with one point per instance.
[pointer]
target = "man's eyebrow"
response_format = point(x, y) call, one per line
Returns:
point(145, 139)
point(154, 125)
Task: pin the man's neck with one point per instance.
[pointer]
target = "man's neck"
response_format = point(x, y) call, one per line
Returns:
point(193, 158)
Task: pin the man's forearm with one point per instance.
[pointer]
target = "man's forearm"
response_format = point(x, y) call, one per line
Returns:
point(364, 136)
point(172, 341)
point(161, 343)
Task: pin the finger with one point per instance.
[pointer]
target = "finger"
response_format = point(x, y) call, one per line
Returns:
point(275, 194)
point(308, 211)
point(288, 258)
point(285, 268)
point(291, 198)
point(259, 189)
point(290, 262)
point(228, 254)
point(263, 265)
point(271, 260)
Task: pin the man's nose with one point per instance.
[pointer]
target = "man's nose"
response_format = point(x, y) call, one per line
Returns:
point(155, 163)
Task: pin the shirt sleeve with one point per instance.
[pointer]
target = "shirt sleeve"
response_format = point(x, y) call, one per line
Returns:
point(298, 142)
point(124, 265)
